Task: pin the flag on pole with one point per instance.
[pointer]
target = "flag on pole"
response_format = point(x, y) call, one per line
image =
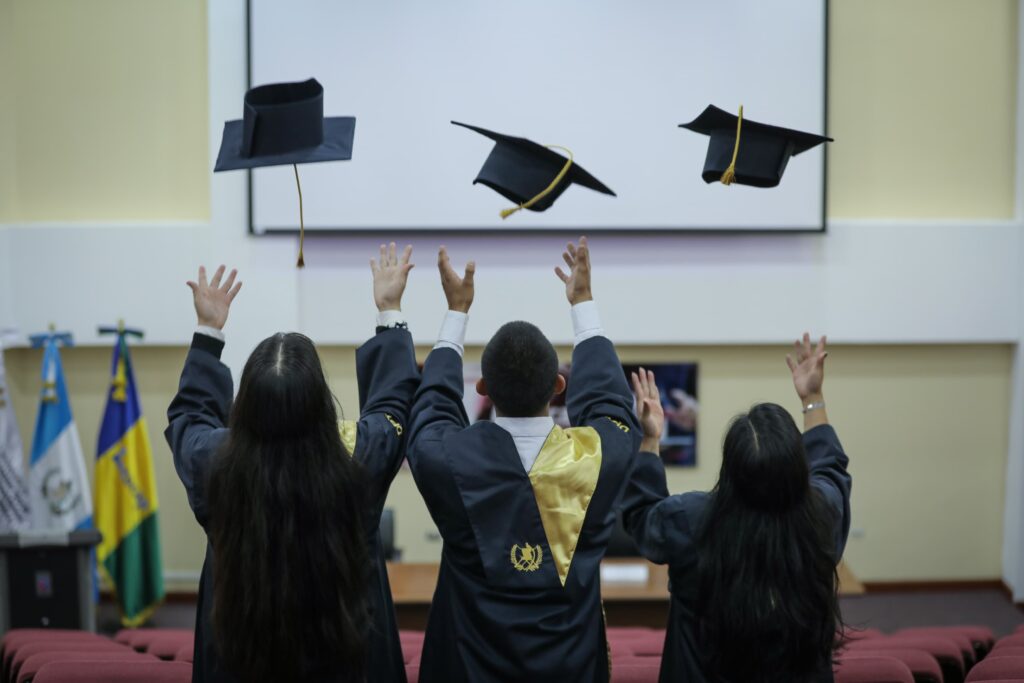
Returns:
point(13, 488)
point(126, 502)
point(58, 488)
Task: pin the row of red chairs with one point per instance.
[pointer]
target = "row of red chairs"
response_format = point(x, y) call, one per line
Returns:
point(62, 656)
point(958, 654)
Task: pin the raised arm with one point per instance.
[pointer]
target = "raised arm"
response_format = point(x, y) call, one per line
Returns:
point(598, 391)
point(825, 457)
point(438, 408)
point(387, 376)
point(198, 415)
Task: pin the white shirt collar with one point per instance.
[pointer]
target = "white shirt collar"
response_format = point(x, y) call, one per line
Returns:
point(526, 426)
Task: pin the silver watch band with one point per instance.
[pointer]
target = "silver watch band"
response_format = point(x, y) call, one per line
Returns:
point(817, 405)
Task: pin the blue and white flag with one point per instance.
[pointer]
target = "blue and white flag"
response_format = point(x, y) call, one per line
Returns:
point(58, 488)
point(13, 489)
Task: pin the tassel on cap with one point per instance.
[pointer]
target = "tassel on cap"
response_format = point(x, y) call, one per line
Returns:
point(505, 213)
point(302, 225)
point(730, 173)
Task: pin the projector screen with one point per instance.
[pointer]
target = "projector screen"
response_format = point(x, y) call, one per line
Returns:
point(608, 79)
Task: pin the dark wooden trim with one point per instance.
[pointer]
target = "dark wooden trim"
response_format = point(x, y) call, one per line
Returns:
point(934, 586)
point(180, 597)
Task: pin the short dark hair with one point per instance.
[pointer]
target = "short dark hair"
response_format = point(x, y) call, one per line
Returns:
point(520, 368)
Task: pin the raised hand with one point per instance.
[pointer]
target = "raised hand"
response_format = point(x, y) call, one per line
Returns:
point(390, 277)
point(808, 368)
point(458, 290)
point(213, 299)
point(577, 282)
point(649, 410)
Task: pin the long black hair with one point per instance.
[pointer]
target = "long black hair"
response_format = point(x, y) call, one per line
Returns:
point(767, 606)
point(290, 559)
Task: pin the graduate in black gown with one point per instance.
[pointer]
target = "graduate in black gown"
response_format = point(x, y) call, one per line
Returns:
point(294, 585)
point(525, 508)
point(752, 564)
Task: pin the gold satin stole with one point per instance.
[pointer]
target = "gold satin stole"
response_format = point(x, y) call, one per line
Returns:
point(564, 477)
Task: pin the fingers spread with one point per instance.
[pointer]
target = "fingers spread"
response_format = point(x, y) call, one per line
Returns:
point(392, 257)
point(230, 280)
point(561, 275)
point(790, 363)
point(470, 271)
point(215, 282)
point(202, 276)
point(569, 260)
point(406, 253)
point(234, 291)
point(373, 266)
point(193, 286)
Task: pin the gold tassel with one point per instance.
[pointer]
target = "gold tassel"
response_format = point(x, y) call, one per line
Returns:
point(505, 213)
point(730, 173)
point(302, 224)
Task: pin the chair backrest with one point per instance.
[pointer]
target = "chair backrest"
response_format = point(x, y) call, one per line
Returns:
point(185, 653)
point(997, 668)
point(115, 672)
point(873, 670)
point(75, 645)
point(924, 667)
point(31, 666)
point(167, 645)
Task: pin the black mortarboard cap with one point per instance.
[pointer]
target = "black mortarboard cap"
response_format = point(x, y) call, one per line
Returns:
point(760, 157)
point(530, 175)
point(284, 123)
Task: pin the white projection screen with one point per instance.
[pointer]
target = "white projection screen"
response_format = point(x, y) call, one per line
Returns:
point(609, 79)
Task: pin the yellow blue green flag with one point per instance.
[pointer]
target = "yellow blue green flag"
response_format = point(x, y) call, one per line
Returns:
point(126, 503)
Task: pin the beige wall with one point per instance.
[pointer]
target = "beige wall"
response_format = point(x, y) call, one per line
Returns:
point(107, 108)
point(920, 103)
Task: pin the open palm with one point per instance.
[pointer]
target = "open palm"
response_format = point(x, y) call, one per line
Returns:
point(213, 299)
point(807, 365)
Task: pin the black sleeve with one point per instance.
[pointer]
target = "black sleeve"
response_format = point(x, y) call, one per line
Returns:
point(651, 516)
point(828, 465)
point(599, 397)
point(387, 375)
point(197, 417)
point(437, 408)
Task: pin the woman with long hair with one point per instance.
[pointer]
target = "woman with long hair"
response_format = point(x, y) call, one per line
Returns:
point(752, 564)
point(294, 586)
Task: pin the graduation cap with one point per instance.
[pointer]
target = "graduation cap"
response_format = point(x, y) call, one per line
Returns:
point(284, 123)
point(747, 152)
point(532, 176)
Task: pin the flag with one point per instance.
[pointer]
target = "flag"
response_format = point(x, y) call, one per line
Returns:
point(126, 502)
point(13, 488)
point(58, 488)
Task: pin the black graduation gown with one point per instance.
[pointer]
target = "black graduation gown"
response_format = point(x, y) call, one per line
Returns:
point(666, 527)
point(387, 376)
point(518, 596)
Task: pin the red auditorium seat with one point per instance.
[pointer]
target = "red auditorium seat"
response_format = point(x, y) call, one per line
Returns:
point(636, 669)
point(115, 672)
point(30, 667)
point(981, 637)
point(185, 654)
point(60, 645)
point(140, 638)
point(924, 667)
point(872, 670)
point(998, 668)
point(1008, 651)
point(17, 638)
point(643, 648)
point(1016, 640)
point(946, 651)
point(167, 646)
point(850, 634)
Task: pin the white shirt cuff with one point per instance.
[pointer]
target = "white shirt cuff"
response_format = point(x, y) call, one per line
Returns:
point(586, 322)
point(210, 332)
point(389, 318)
point(453, 332)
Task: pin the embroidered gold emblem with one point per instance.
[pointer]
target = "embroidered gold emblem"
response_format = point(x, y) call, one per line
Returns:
point(395, 424)
point(526, 558)
point(618, 424)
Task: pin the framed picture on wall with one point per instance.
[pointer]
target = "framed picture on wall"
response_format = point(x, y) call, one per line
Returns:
point(677, 383)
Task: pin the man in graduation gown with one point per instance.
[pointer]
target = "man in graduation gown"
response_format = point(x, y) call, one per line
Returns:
point(525, 508)
point(387, 375)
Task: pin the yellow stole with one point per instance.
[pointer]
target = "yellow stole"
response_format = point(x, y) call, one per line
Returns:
point(564, 477)
point(349, 430)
